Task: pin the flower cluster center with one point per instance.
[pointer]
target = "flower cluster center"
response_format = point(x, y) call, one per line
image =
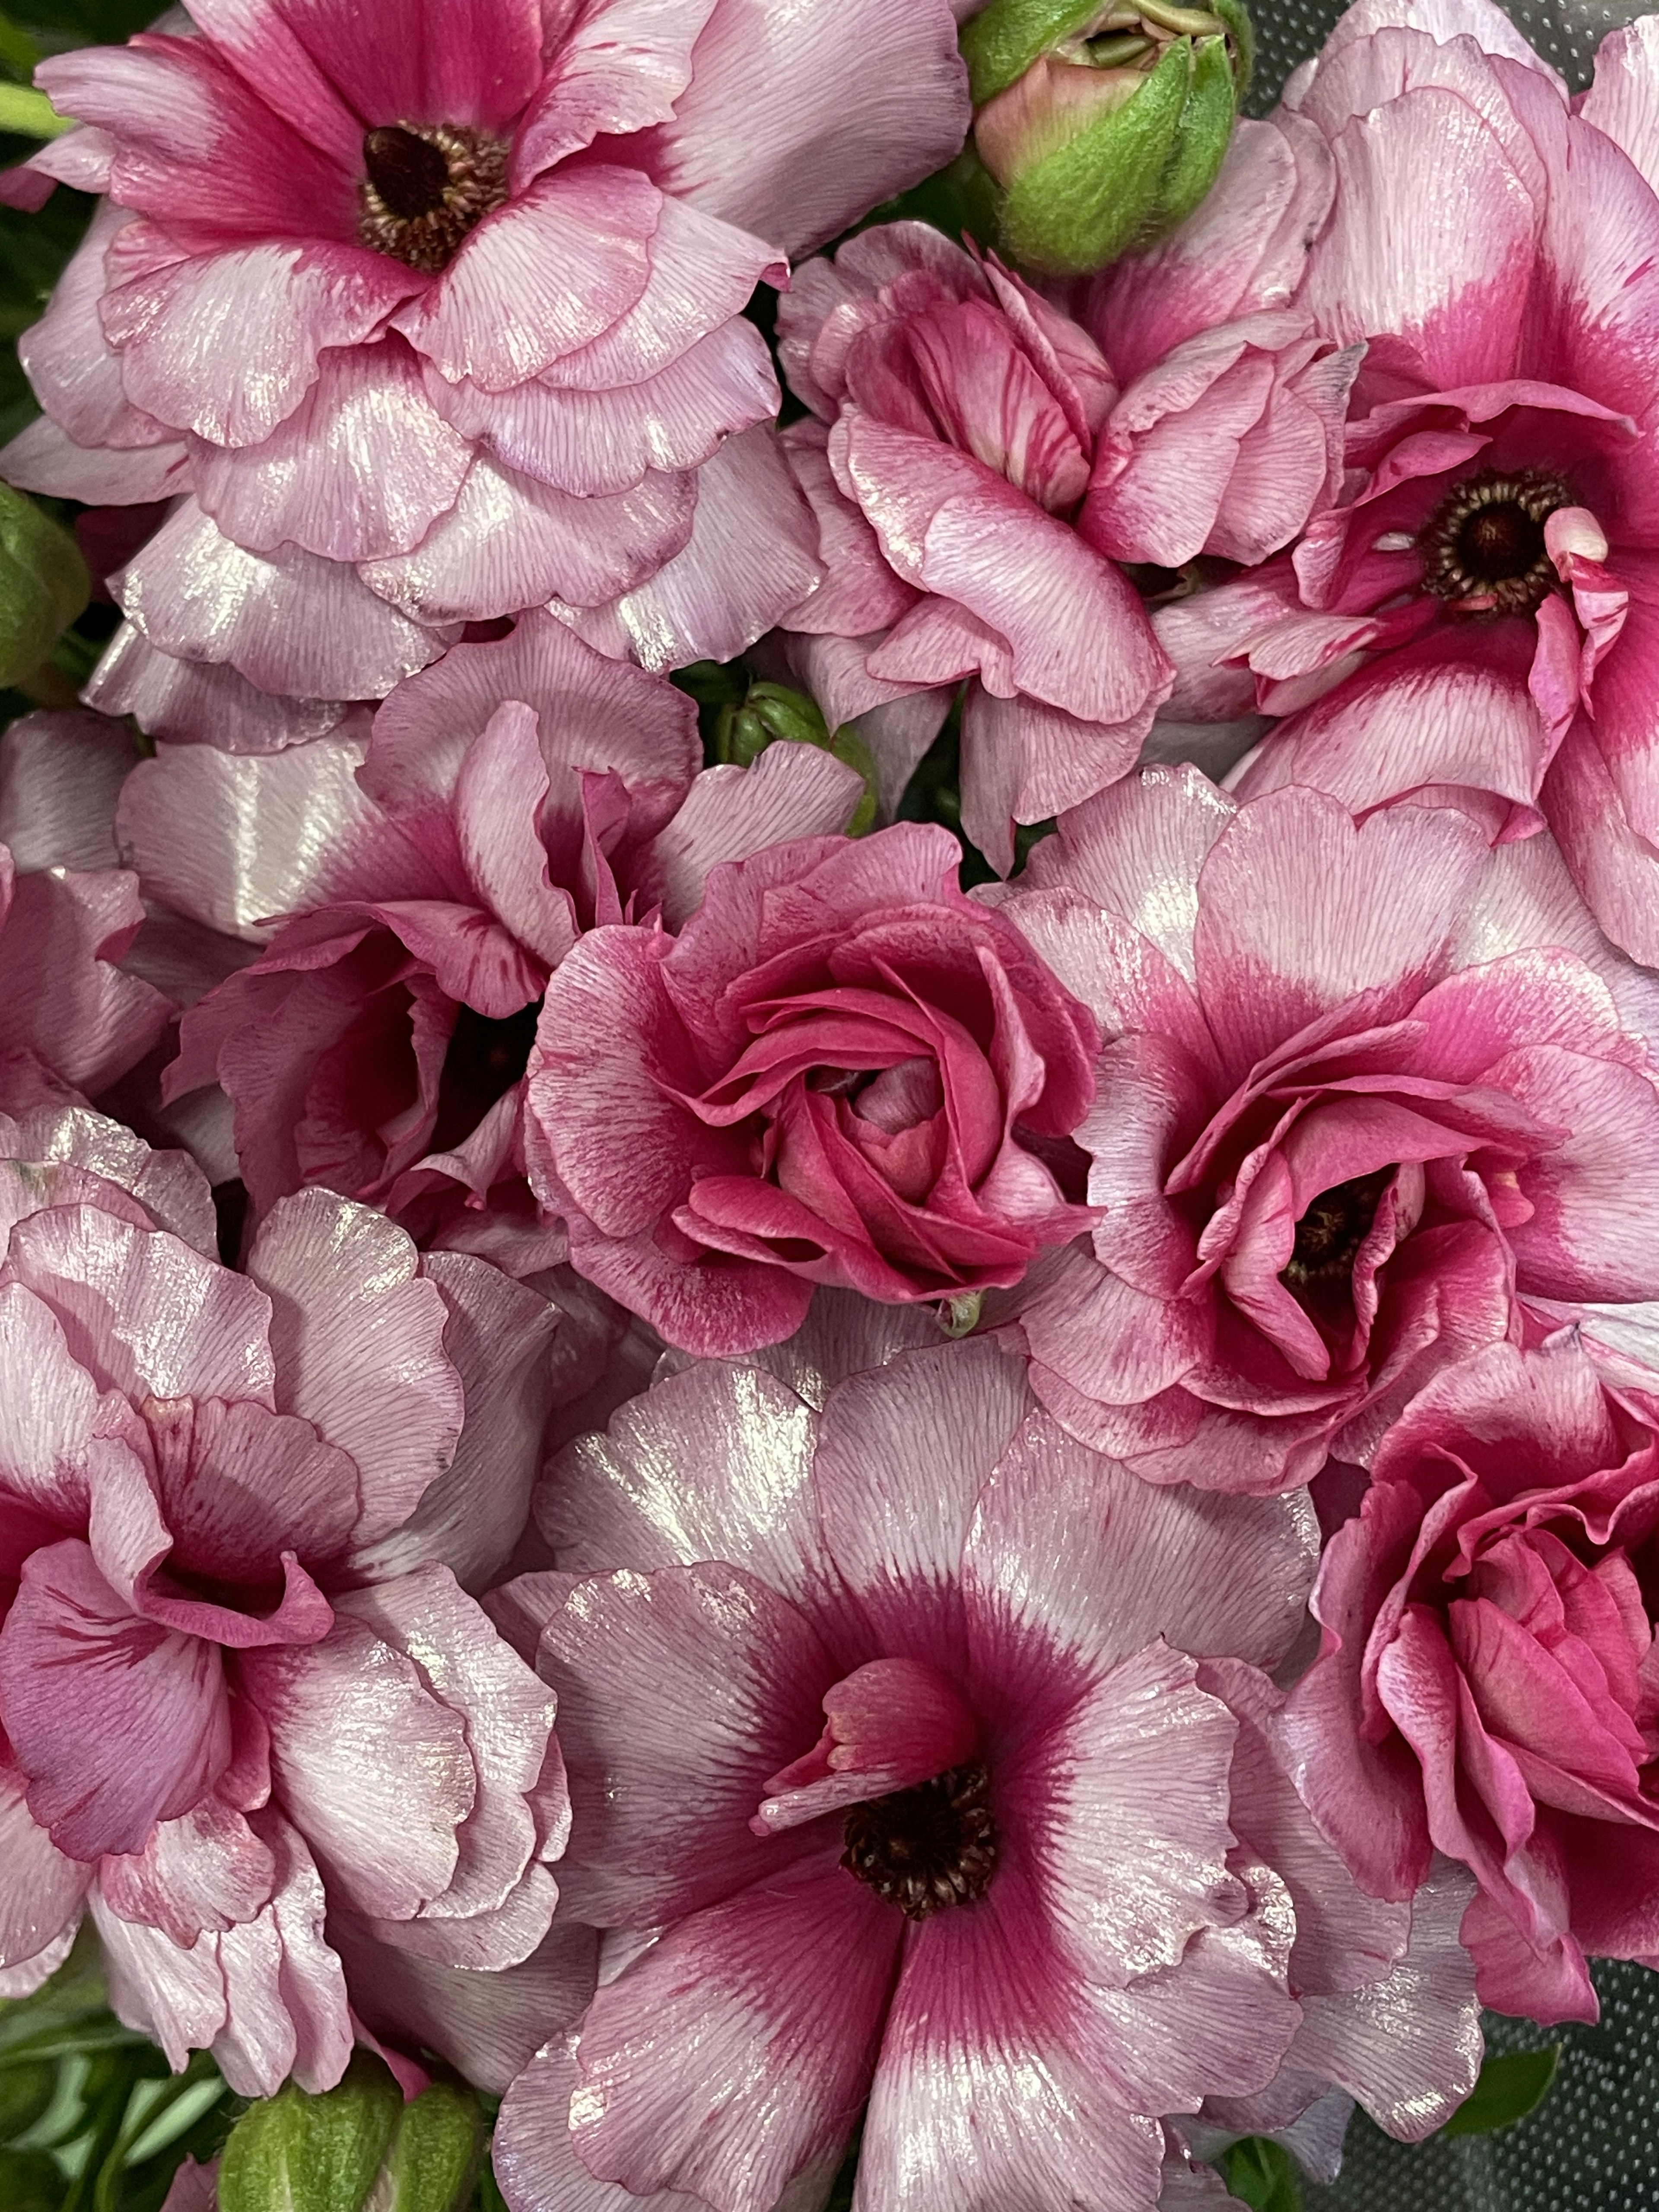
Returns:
point(1483, 547)
point(925, 1848)
point(423, 189)
point(1330, 1233)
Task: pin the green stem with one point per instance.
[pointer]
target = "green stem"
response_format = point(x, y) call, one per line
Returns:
point(30, 114)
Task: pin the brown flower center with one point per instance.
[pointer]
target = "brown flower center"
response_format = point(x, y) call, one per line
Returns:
point(925, 1848)
point(424, 189)
point(1484, 544)
point(1330, 1233)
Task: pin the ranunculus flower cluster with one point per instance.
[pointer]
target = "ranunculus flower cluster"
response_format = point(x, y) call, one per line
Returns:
point(829, 1090)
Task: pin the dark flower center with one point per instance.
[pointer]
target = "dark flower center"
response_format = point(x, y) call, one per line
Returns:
point(1484, 544)
point(485, 1058)
point(925, 1848)
point(424, 190)
point(1330, 1233)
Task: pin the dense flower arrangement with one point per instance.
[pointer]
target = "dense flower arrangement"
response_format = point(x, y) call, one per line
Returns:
point(828, 1115)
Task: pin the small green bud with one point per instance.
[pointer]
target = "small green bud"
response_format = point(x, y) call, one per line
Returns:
point(772, 714)
point(1105, 123)
point(295, 2152)
point(44, 583)
point(433, 2165)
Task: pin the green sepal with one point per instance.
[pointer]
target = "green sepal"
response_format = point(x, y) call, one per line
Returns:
point(1093, 198)
point(1509, 2087)
point(772, 714)
point(1261, 2173)
point(435, 2157)
point(295, 2152)
point(1004, 39)
point(44, 583)
point(1242, 30)
point(30, 114)
point(1201, 140)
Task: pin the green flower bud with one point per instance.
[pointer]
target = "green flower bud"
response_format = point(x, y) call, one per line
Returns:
point(355, 2148)
point(433, 2165)
point(1104, 122)
point(44, 583)
point(772, 713)
point(294, 2152)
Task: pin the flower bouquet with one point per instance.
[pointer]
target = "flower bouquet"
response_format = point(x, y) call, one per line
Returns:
point(828, 1107)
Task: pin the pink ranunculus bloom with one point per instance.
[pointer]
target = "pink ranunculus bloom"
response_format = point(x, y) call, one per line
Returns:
point(1479, 610)
point(981, 463)
point(427, 313)
point(841, 1071)
point(240, 1683)
point(908, 1762)
point(72, 1019)
point(1364, 1088)
point(411, 888)
point(1487, 1686)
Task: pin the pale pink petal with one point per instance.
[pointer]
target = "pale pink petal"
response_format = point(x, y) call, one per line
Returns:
point(361, 470)
point(292, 623)
point(199, 702)
point(44, 458)
point(1624, 100)
point(41, 1897)
point(358, 1337)
point(540, 277)
point(680, 1692)
point(60, 775)
point(75, 372)
point(727, 2058)
point(618, 69)
point(510, 542)
point(751, 558)
point(794, 125)
point(533, 2157)
point(729, 813)
point(186, 333)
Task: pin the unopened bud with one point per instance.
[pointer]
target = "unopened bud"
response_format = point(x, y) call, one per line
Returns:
point(1105, 122)
point(772, 714)
point(358, 2148)
point(44, 583)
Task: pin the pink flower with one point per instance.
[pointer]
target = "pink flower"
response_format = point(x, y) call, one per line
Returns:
point(981, 465)
point(1474, 612)
point(240, 1683)
point(897, 1771)
point(411, 888)
point(1487, 1684)
point(841, 1071)
point(1364, 1090)
point(72, 1019)
point(430, 313)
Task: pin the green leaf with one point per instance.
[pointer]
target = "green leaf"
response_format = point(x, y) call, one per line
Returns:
point(26, 2091)
point(294, 2152)
point(1262, 2175)
point(18, 52)
point(44, 583)
point(29, 2181)
point(30, 114)
point(1509, 2087)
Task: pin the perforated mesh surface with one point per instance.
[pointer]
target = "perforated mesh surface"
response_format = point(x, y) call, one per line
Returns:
point(1592, 2145)
point(1565, 32)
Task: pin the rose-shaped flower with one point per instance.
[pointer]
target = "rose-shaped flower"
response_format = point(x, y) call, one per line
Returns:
point(1363, 1089)
point(433, 313)
point(981, 463)
point(412, 890)
point(1487, 1686)
point(903, 1764)
point(841, 1071)
point(1475, 610)
point(239, 1681)
point(72, 1019)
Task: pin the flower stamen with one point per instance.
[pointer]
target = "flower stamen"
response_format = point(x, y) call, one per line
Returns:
point(1483, 547)
point(1330, 1233)
point(424, 189)
point(925, 1848)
